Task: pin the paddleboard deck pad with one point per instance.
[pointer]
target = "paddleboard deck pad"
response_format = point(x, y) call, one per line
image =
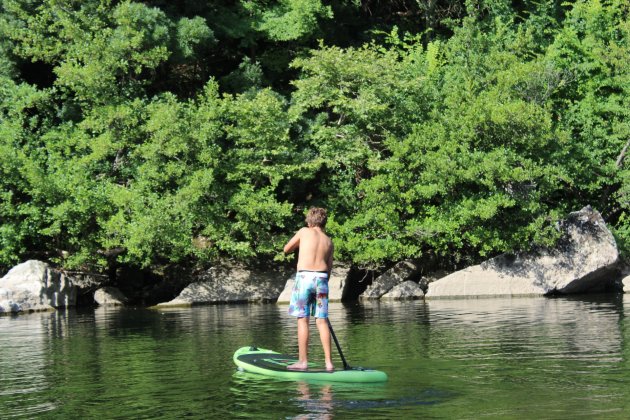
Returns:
point(271, 363)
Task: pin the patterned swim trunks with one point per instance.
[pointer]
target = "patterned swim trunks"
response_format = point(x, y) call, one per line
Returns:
point(309, 296)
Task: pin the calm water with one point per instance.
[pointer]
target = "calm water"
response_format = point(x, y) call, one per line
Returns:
point(489, 358)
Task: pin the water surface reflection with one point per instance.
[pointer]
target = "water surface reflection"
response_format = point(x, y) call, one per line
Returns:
point(518, 358)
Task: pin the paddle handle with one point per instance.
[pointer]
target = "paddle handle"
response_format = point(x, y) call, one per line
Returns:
point(346, 366)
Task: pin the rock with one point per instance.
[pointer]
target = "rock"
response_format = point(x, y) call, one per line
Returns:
point(35, 286)
point(583, 261)
point(109, 296)
point(403, 291)
point(626, 284)
point(232, 283)
point(479, 281)
point(428, 278)
point(337, 285)
point(87, 281)
point(399, 273)
point(285, 295)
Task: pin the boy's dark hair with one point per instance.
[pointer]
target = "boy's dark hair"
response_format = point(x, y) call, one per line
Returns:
point(316, 217)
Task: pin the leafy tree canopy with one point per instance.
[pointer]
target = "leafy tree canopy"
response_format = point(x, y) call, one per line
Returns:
point(156, 132)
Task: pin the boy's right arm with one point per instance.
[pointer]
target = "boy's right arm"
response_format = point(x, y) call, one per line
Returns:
point(294, 243)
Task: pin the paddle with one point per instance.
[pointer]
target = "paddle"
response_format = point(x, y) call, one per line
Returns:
point(346, 366)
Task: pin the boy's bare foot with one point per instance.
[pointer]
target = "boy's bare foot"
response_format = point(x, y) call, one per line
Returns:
point(298, 366)
point(329, 366)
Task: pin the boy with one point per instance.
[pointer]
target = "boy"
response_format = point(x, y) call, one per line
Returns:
point(310, 291)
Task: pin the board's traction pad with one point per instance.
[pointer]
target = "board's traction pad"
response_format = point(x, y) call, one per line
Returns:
point(278, 362)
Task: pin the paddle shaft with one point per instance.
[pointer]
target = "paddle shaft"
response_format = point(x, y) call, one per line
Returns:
point(346, 366)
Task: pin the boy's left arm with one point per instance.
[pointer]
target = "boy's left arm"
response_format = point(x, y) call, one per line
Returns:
point(329, 261)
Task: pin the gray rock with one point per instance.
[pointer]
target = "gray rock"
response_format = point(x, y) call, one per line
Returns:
point(583, 261)
point(407, 290)
point(399, 273)
point(35, 286)
point(337, 285)
point(232, 283)
point(430, 277)
point(626, 284)
point(285, 295)
point(109, 296)
point(87, 281)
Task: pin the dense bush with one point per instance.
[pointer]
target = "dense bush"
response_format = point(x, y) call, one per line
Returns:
point(151, 132)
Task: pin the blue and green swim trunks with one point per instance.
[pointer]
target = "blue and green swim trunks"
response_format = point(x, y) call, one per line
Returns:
point(309, 296)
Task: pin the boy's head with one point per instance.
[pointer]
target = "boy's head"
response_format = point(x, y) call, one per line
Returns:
point(316, 217)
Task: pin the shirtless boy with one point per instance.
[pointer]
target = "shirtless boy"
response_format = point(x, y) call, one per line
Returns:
point(310, 291)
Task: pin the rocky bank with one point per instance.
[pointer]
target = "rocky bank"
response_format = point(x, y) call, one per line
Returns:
point(584, 260)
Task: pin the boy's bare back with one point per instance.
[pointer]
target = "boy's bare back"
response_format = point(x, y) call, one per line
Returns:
point(315, 249)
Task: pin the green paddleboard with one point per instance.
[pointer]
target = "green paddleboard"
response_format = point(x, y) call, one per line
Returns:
point(271, 363)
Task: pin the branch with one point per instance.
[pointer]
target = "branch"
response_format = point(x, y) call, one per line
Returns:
point(622, 155)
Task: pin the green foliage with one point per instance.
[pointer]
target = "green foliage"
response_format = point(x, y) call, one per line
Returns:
point(192, 35)
point(7, 66)
point(248, 76)
point(290, 19)
point(155, 132)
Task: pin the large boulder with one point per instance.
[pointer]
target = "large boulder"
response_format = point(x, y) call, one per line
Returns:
point(109, 296)
point(232, 283)
point(399, 273)
point(430, 277)
point(337, 285)
point(407, 290)
point(584, 260)
point(35, 286)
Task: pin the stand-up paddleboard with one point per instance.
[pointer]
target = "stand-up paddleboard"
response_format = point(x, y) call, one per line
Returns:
point(271, 363)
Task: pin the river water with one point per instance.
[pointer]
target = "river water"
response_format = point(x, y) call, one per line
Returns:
point(482, 358)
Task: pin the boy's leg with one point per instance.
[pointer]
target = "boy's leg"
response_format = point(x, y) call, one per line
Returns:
point(324, 335)
point(302, 327)
point(303, 339)
point(321, 312)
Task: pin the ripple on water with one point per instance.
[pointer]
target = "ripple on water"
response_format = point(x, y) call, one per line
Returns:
point(445, 359)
